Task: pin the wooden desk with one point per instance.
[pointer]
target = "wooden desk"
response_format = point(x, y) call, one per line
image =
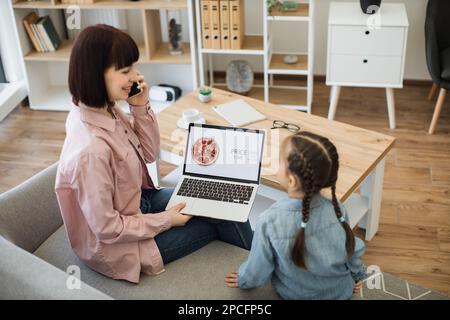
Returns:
point(361, 152)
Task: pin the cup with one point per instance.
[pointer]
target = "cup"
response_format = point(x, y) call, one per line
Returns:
point(190, 115)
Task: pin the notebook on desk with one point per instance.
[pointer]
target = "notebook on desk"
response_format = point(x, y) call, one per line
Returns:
point(238, 113)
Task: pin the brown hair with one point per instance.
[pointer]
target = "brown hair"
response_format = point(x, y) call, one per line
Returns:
point(96, 49)
point(315, 162)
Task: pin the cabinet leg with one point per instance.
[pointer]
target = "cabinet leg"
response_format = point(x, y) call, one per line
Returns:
point(437, 110)
point(432, 92)
point(391, 107)
point(335, 93)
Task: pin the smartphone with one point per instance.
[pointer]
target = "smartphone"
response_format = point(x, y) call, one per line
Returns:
point(134, 90)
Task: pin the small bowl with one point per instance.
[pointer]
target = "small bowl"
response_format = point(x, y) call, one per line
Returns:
point(290, 59)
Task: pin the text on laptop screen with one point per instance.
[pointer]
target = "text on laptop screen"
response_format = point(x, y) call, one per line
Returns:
point(224, 153)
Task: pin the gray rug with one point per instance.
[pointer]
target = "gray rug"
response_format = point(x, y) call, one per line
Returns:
point(388, 287)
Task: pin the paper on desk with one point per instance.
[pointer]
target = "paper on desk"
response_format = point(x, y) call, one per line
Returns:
point(238, 113)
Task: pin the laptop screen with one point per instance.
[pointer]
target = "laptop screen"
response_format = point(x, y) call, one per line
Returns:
point(224, 152)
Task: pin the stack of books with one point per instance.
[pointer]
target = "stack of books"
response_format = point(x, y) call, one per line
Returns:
point(42, 32)
point(223, 25)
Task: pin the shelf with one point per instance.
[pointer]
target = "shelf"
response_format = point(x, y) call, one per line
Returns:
point(105, 4)
point(277, 66)
point(280, 96)
point(161, 56)
point(357, 206)
point(62, 54)
point(54, 98)
point(252, 45)
point(302, 14)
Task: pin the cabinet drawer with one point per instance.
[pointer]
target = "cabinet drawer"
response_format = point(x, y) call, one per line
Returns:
point(365, 70)
point(362, 40)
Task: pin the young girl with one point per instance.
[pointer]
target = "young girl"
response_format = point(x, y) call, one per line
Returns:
point(303, 243)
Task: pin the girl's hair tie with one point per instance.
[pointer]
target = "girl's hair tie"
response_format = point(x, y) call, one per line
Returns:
point(342, 219)
point(303, 225)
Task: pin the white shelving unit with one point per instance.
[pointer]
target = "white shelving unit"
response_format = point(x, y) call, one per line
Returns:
point(263, 45)
point(14, 91)
point(47, 73)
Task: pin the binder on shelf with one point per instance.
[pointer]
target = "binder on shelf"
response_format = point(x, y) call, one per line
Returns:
point(225, 24)
point(237, 24)
point(205, 13)
point(27, 22)
point(215, 24)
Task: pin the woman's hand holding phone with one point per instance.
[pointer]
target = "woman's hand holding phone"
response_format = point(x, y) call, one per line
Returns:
point(141, 98)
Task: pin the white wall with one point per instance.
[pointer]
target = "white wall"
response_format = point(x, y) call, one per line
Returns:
point(292, 36)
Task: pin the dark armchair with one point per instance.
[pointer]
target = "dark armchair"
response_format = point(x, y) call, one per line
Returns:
point(437, 38)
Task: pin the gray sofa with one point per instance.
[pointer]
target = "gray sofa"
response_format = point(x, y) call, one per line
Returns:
point(35, 255)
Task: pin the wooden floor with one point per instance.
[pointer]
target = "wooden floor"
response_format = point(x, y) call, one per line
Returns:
point(413, 241)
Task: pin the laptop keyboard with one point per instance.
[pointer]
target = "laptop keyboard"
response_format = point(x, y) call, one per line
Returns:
point(213, 190)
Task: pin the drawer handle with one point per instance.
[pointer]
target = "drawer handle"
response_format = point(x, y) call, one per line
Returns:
point(365, 60)
point(367, 32)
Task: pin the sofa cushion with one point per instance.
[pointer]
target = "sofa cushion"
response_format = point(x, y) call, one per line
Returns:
point(197, 276)
point(25, 276)
point(29, 213)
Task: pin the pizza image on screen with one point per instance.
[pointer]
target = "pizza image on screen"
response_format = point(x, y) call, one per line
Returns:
point(205, 151)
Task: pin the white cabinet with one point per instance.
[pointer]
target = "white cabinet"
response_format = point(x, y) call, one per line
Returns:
point(366, 50)
point(365, 70)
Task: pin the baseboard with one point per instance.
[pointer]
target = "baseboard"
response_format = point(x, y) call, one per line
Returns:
point(321, 78)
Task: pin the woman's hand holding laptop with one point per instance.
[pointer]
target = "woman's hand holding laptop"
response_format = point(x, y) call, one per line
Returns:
point(178, 219)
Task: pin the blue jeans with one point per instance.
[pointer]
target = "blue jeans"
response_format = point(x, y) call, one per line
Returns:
point(178, 242)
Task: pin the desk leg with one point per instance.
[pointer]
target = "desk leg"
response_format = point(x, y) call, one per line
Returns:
point(372, 189)
point(335, 93)
point(391, 107)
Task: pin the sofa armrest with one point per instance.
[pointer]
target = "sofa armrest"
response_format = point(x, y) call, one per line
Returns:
point(29, 213)
point(25, 276)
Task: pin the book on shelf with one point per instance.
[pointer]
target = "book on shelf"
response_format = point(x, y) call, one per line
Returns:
point(27, 22)
point(51, 37)
point(41, 32)
point(39, 35)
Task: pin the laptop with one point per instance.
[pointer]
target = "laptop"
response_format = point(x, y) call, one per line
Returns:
point(221, 172)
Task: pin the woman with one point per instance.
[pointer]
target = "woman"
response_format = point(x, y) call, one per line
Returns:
point(114, 217)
